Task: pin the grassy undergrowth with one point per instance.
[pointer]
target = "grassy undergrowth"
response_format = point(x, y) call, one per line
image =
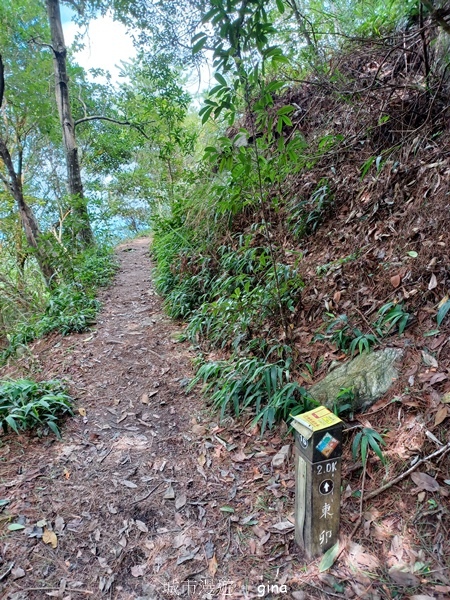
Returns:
point(235, 300)
point(71, 307)
point(26, 405)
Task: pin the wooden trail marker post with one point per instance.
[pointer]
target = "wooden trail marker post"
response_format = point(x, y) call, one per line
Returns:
point(318, 452)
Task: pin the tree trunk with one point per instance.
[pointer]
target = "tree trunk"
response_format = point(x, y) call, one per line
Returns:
point(78, 202)
point(28, 220)
point(301, 22)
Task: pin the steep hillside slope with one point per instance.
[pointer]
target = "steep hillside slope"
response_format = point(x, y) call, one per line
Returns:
point(333, 242)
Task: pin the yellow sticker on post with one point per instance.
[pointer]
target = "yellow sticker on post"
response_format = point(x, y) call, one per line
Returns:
point(314, 420)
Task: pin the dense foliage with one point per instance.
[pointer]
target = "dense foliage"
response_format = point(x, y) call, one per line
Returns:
point(25, 404)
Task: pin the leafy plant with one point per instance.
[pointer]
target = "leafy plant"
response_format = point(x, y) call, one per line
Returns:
point(362, 341)
point(391, 315)
point(338, 331)
point(442, 312)
point(253, 383)
point(307, 215)
point(94, 268)
point(347, 338)
point(68, 310)
point(26, 404)
point(365, 439)
point(344, 401)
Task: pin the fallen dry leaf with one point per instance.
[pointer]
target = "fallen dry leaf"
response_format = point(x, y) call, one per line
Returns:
point(425, 482)
point(433, 282)
point(170, 493)
point(141, 526)
point(128, 484)
point(182, 539)
point(17, 573)
point(240, 456)
point(360, 558)
point(299, 595)
point(198, 430)
point(212, 566)
point(264, 539)
point(59, 524)
point(441, 415)
point(429, 360)
point(397, 547)
point(180, 501)
point(282, 527)
point(186, 557)
point(49, 537)
point(403, 578)
point(282, 456)
point(395, 281)
point(437, 377)
point(138, 570)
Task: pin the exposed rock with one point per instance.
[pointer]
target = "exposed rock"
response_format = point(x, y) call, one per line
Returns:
point(368, 375)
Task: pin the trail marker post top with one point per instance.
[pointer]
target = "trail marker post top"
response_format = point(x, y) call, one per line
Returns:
point(318, 451)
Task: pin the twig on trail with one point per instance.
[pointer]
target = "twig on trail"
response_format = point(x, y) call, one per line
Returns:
point(366, 321)
point(101, 459)
point(149, 493)
point(388, 485)
point(8, 571)
point(229, 537)
point(153, 352)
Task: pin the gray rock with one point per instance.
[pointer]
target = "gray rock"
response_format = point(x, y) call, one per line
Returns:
point(368, 375)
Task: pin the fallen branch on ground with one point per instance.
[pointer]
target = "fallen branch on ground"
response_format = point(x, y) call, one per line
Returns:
point(388, 485)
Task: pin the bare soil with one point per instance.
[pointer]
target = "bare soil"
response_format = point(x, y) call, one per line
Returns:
point(148, 496)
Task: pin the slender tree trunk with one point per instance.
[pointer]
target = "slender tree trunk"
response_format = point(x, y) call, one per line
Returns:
point(78, 202)
point(301, 22)
point(27, 218)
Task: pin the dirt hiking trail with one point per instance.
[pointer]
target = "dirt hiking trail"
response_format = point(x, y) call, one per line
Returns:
point(146, 496)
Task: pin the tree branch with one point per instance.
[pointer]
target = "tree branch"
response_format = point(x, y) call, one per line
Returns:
point(111, 120)
point(34, 40)
point(443, 449)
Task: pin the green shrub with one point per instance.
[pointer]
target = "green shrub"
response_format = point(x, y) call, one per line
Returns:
point(345, 337)
point(256, 384)
point(391, 316)
point(69, 310)
point(25, 404)
point(94, 267)
point(71, 307)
